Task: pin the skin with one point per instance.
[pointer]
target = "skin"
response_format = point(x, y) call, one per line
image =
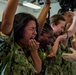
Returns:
point(46, 37)
point(57, 29)
point(68, 15)
point(31, 30)
point(7, 25)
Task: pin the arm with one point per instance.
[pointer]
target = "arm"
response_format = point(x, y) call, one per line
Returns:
point(72, 28)
point(8, 16)
point(56, 43)
point(42, 17)
point(36, 60)
point(33, 47)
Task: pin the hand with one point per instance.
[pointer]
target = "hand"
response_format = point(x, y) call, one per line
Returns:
point(62, 37)
point(47, 1)
point(74, 18)
point(74, 43)
point(70, 56)
point(33, 45)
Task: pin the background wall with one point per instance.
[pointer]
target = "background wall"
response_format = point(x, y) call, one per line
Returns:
point(54, 8)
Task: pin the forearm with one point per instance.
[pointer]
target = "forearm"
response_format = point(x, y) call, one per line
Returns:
point(36, 60)
point(55, 46)
point(8, 16)
point(42, 17)
point(72, 28)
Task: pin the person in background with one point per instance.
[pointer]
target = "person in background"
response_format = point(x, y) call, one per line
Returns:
point(45, 39)
point(58, 64)
point(68, 15)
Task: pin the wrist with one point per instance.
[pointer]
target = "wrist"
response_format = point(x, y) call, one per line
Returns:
point(52, 54)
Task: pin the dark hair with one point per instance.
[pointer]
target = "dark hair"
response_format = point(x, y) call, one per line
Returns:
point(62, 11)
point(46, 29)
point(67, 4)
point(56, 18)
point(20, 21)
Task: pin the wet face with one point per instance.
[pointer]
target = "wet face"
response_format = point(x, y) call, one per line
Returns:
point(68, 16)
point(29, 33)
point(59, 28)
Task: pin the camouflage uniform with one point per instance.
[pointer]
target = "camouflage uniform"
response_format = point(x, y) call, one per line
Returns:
point(16, 59)
point(59, 66)
point(45, 60)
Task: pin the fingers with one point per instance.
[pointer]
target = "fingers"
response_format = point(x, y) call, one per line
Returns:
point(33, 45)
point(67, 56)
point(73, 50)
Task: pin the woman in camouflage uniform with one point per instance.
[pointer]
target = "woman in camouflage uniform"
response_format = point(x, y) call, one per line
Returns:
point(14, 57)
point(45, 40)
point(21, 49)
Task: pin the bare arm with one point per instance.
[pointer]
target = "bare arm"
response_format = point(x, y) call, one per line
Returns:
point(8, 16)
point(43, 14)
point(56, 43)
point(72, 28)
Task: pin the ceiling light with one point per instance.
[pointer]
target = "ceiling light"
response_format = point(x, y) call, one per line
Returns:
point(31, 5)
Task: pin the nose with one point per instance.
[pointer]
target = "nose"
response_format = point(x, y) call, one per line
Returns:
point(35, 32)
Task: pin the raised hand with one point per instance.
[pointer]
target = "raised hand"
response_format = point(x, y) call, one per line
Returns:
point(70, 56)
point(47, 1)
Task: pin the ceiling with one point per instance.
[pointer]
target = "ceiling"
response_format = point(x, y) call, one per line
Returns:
point(38, 1)
point(35, 1)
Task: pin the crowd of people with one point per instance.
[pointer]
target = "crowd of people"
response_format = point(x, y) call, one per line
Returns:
point(35, 47)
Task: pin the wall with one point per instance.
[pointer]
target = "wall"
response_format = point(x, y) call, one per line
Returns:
point(54, 8)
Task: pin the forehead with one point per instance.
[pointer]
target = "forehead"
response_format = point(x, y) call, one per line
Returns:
point(49, 33)
point(69, 13)
point(62, 23)
point(31, 23)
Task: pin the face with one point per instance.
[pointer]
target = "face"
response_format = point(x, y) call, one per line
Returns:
point(57, 29)
point(68, 16)
point(29, 33)
point(46, 38)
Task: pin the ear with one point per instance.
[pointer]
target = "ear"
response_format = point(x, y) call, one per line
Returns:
point(53, 25)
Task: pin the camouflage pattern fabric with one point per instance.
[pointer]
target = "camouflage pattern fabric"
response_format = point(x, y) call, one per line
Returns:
point(45, 61)
point(59, 66)
point(16, 59)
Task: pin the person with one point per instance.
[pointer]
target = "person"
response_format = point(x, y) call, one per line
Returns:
point(46, 36)
point(69, 20)
point(45, 40)
point(68, 15)
point(59, 66)
point(24, 47)
point(24, 24)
